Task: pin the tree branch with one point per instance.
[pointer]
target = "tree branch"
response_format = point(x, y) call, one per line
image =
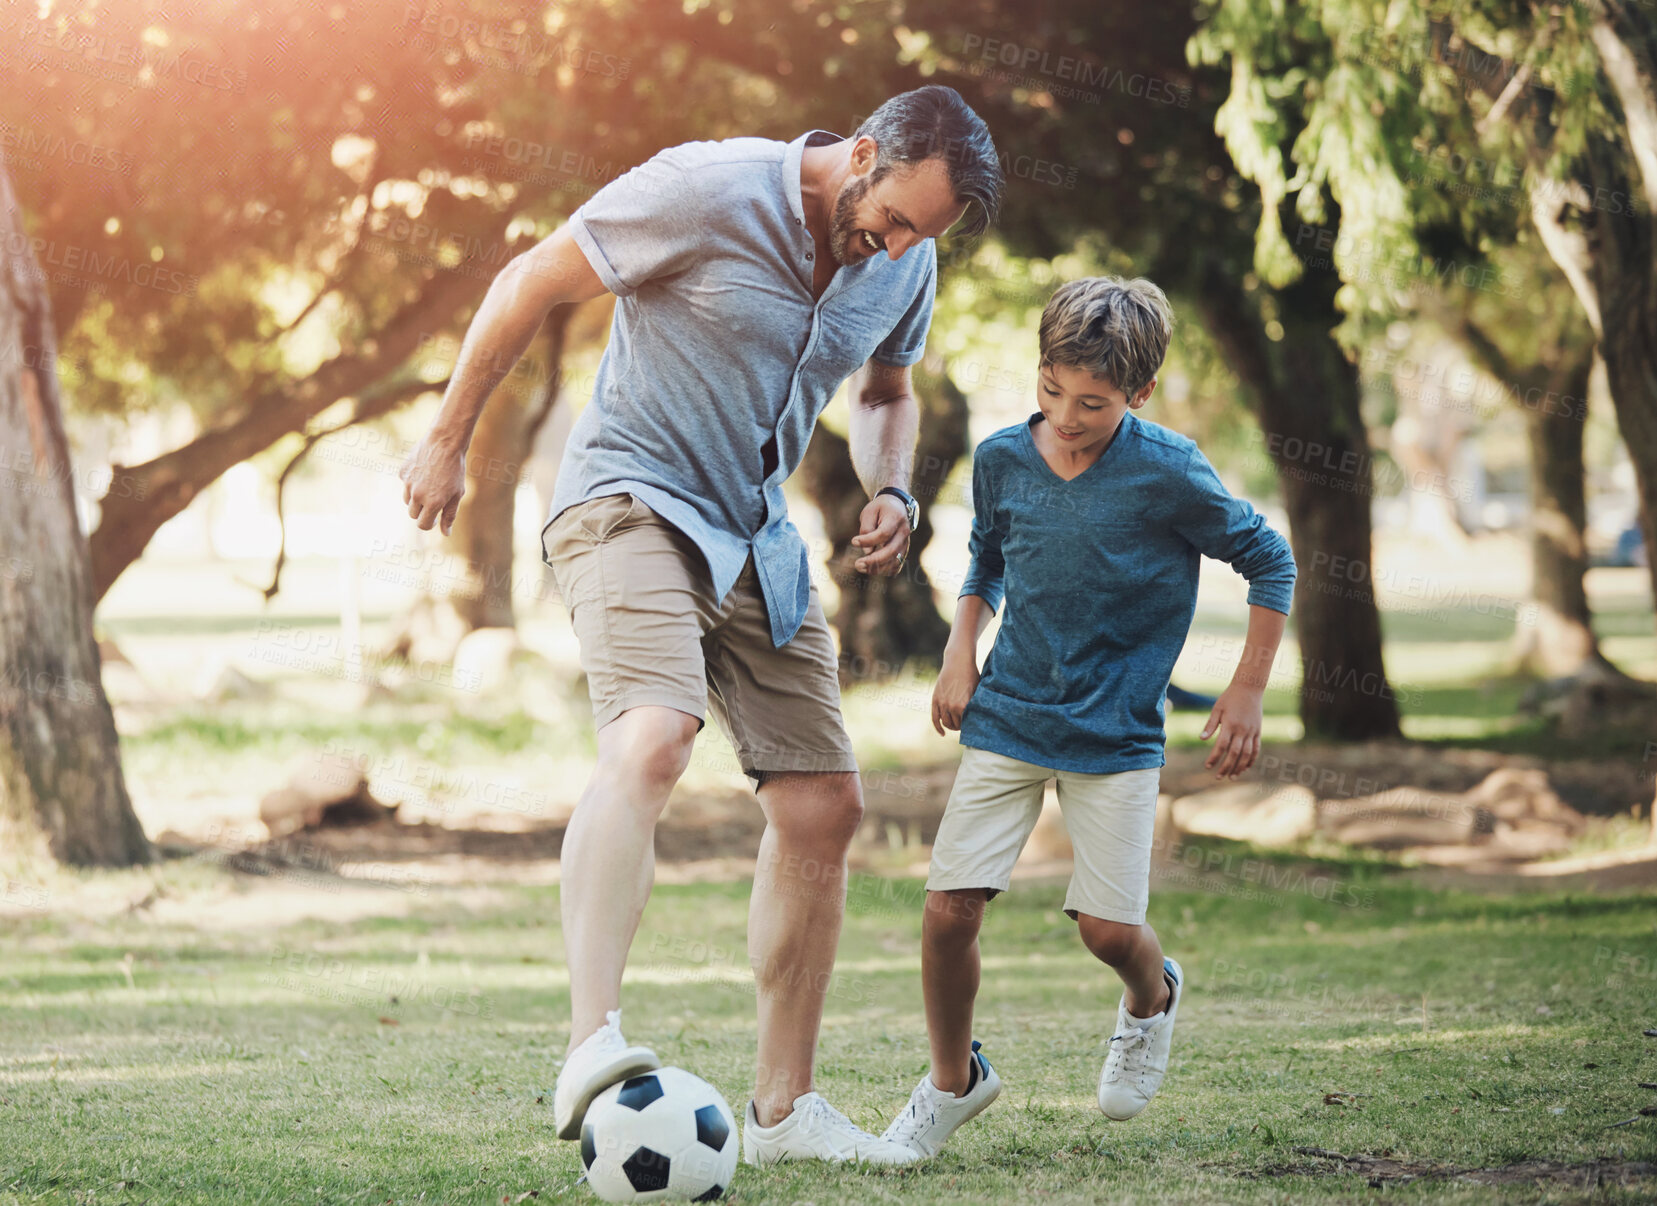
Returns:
point(367, 408)
point(1624, 41)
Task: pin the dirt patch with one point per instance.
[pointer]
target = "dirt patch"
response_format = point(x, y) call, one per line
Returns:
point(1382, 1171)
point(1593, 786)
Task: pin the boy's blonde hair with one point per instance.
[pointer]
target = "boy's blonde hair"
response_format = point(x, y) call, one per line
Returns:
point(1113, 328)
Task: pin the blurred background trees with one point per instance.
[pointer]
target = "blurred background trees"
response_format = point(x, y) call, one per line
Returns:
point(262, 227)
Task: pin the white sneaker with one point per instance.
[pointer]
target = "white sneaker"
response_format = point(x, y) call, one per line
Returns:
point(600, 1061)
point(817, 1131)
point(932, 1115)
point(1138, 1058)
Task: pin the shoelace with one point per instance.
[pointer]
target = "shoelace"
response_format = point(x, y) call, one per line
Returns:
point(821, 1117)
point(1136, 1045)
point(912, 1116)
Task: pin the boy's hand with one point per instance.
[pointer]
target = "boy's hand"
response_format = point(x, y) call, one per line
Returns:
point(883, 537)
point(956, 682)
point(1239, 716)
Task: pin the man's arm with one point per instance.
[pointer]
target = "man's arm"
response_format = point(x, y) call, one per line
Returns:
point(553, 272)
point(884, 424)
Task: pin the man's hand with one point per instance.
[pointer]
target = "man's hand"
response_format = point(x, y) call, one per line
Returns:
point(883, 537)
point(434, 479)
point(1238, 715)
point(956, 682)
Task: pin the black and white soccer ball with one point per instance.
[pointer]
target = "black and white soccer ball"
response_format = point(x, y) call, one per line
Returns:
point(658, 1136)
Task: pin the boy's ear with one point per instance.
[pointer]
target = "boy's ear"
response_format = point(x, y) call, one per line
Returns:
point(1143, 396)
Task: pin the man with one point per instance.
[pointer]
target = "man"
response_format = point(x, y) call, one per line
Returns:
point(753, 277)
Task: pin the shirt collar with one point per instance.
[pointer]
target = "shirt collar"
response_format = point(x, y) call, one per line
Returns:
point(791, 165)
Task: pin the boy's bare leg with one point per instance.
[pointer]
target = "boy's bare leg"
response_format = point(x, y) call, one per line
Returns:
point(609, 855)
point(949, 977)
point(794, 919)
point(1134, 953)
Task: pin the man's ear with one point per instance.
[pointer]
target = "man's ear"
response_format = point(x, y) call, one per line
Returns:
point(864, 153)
point(1144, 395)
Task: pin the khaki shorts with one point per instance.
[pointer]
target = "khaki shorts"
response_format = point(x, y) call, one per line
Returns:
point(651, 632)
point(996, 802)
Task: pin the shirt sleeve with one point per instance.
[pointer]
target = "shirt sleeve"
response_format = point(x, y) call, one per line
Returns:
point(1229, 529)
point(907, 342)
point(986, 574)
point(647, 222)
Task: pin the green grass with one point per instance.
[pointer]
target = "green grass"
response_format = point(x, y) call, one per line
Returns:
point(259, 1066)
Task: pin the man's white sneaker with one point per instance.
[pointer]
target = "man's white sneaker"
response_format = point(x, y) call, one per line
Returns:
point(817, 1131)
point(600, 1061)
point(1138, 1058)
point(932, 1115)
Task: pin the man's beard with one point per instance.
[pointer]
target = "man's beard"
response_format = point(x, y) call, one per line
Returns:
point(841, 228)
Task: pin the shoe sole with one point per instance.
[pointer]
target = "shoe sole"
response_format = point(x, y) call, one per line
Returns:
point(628, 1064)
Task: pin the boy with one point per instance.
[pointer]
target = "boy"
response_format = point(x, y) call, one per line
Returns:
point(1091, 521)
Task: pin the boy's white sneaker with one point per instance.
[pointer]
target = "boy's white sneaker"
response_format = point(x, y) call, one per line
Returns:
point(817, 1131)
point(1138, 1058)
point(602, 1059)
point(932, 1115)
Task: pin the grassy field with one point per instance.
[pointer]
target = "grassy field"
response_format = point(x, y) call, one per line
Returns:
point(410, 1059)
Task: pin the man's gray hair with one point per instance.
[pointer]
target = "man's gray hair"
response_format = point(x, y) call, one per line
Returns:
point(935, 123)
point(1113, 328)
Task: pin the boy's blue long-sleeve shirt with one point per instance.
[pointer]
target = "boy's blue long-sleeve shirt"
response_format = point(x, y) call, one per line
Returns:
point(1099, 574)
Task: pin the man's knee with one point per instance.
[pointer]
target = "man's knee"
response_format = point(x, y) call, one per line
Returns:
point(1110, 941)
point(647, 747)
point(822, 809)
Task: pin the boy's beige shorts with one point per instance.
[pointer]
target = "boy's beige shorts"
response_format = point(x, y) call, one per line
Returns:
point(996, 802)
point(651, 632)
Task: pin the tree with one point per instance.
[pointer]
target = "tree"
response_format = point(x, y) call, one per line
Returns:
point(1542, 354)
point(62, 794)
point(1440, 132)
point(264, 214)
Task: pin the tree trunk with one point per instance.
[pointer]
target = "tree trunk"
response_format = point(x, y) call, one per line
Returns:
point(1559, 641)
point(1607, 251)
point(496, 469)
point(1556, 639)
point(884, 623)
point(62, 794)
point(1307, 393)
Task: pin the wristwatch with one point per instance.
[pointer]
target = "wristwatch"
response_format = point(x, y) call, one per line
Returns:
point(911, 508)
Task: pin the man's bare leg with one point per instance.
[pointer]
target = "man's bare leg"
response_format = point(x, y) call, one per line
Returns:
point(609, 857)
point(794, 924)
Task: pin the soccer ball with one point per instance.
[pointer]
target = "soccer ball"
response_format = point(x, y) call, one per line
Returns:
point(660, 1135)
